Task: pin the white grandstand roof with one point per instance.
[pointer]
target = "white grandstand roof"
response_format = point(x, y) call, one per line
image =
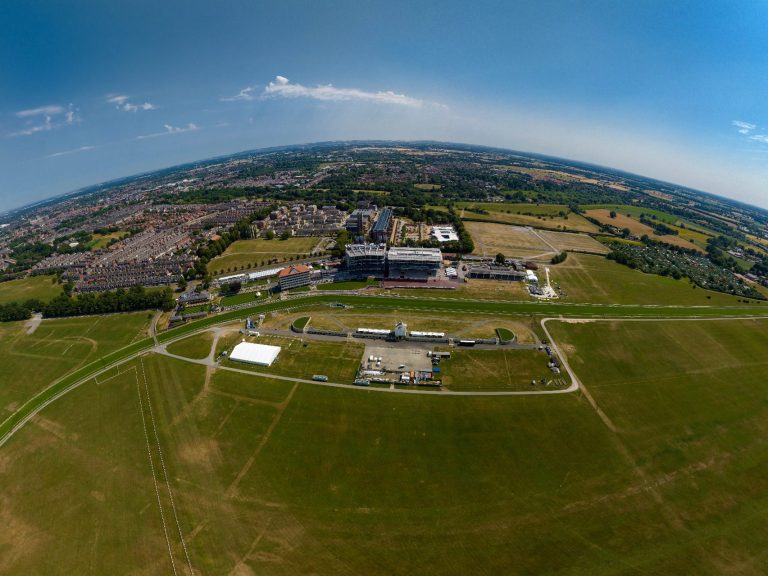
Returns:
point(401, 253)
point(261, 354)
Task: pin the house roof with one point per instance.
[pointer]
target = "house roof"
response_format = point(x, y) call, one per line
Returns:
point(292, 269)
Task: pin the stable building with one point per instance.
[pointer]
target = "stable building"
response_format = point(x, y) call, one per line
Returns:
point(293, 276)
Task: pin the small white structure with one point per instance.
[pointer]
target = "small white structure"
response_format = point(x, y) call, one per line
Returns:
point(261, 354)
point(444, 234)
point(530, 276)
point(401, 330)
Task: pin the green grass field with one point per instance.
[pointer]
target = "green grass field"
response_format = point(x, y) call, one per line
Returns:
point(41, 287)
point(242, 298)
point(587, 278)
point(303, 358)
point(100, 241)
point(536, 215)
point(504, 369)
point(350, 285)
point(58, 346)
point(270, 477)
point(197, 346)
point(246, 254)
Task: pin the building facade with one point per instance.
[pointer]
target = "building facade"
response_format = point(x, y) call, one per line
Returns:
point(293, 276)
point(364, 260)
point(413, 263)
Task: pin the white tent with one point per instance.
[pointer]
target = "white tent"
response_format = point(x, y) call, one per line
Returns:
point(261, 354)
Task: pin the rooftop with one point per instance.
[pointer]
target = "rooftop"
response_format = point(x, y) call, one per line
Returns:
point(292, 269)
point(413, 254)
point(366, 249)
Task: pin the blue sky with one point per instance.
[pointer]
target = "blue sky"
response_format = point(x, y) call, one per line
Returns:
point(93, 90)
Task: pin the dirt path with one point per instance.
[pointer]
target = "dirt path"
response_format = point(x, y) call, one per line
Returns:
point(233, 488)
point(33, 323)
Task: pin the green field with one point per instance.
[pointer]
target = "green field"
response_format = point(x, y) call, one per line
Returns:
point(302, 358)
point(197, 346)
point(100, 241)
point(41, 287)
point(505, 369)
point(350, 285)
point(247, 254)
point(56, 347)
point(536, 215)
point(241, 298)
point(272, 477)
point(587, 278)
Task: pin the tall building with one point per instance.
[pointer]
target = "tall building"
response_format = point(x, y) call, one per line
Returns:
point(381, 230)
point(413, 263)
point(293, 276)
point(364, 260)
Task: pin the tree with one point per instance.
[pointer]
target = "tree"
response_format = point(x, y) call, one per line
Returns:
point(286, 234)
point(270, 234)
point(182, 283)
point(500, 258)
point(613, 214)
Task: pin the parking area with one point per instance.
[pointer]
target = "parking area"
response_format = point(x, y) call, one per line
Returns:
point(397, 358)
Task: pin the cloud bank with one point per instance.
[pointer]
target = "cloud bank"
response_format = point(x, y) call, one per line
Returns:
point(53, 116)
point(123, 103)
point(281, 87)
point(191, 127)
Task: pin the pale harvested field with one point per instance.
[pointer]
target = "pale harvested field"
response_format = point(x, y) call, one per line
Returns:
point(575, 242)
point(512, 241)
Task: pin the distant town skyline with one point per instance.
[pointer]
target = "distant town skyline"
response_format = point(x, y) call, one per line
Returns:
point(94, 91)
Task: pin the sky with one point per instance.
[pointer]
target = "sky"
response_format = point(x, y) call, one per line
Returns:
point(95, 90)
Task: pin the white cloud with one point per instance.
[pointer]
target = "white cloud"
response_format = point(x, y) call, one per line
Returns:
point(763, 138)
point(281, 87)
point(744, 127)
point(50, 121)
point(122, 102)
point(51, 110)
point(74, 151)
point(191, 127)
point(244, 94)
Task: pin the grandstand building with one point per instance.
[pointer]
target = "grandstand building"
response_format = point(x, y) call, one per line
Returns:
point(364, 260)
point(293, 276)
point(413, 263)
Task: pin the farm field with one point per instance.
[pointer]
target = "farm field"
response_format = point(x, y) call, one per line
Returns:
point(537, 215)
point(246, 254)
point(502, 369)
point(639, 229)
point(673, 486)
point(41, 287)
point(56, 347)
point(573, 242)
point(588, 278)
point(512, 241)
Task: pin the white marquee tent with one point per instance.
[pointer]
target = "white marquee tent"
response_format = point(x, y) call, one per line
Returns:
point(261, 354)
